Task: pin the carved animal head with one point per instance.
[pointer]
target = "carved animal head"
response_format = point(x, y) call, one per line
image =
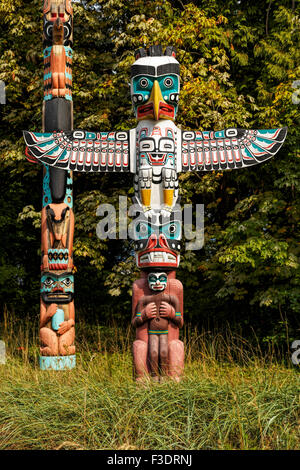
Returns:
point(58, 10)
point(157, 241)
point(155, 84)
point(58, 32)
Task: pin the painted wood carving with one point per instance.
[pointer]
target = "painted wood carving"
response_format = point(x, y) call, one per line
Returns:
point(57, 312)
point(155, 151)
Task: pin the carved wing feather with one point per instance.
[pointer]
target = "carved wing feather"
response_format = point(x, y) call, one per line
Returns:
point(229, 149)
point(80, 150)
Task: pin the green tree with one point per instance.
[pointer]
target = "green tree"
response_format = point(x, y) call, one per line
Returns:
point(239, 61)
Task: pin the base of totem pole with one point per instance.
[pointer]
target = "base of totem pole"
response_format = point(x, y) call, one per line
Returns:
point(57, 362)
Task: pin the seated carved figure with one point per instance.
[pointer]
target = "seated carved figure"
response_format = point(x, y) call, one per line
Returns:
point(157, 315)
point(57, 317)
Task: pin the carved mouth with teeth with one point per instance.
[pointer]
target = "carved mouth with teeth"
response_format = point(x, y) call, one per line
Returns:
point(157, 257)
point(61, 295)
point(57, 297)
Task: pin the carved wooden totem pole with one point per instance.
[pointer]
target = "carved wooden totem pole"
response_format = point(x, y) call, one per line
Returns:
point(57, 314)
point(155, 151)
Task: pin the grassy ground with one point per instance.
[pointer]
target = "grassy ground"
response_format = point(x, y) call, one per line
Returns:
point(232, 396)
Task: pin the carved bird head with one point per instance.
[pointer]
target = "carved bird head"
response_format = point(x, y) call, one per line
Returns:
point(155, 84)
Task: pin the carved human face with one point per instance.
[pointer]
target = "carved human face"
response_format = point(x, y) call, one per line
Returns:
point(157, 146)
point(157, 281)
point(57, 288)
point(157, 242)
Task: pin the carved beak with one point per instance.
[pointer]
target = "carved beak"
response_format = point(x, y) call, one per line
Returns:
point(156, 98)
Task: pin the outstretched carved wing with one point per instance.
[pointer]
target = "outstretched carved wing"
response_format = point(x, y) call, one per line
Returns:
point(80, 150)
point(229, 149)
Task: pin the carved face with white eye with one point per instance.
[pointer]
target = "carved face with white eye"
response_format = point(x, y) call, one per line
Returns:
point(157, 149)
point(57, 288)
point(157, 144)
point(157, 242)
point(157, 281)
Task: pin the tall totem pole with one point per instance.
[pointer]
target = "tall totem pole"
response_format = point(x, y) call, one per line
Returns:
point(57, 314)
point(155, 152)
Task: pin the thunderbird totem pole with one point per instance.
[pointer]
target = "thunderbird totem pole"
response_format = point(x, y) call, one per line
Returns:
point(155, 152)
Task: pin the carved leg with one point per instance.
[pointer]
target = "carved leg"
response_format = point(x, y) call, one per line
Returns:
point(61, 84)
point(145, 181)
point(49, 342)
point(54, 84)
point(154, 356)
point(168, 179)
point(140, 350)
point(65, 343)
point(176, 359)
point(163, 354)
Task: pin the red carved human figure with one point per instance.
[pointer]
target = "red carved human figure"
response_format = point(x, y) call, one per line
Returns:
point(157, 315)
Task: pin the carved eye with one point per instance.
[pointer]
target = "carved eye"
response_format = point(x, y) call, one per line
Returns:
point(162, 278)
point(166, 145)
point(152, 278)
point(48, 282)
point(67, 282)
point(143, 229)
point(147, 145)
point(144, 82)
point(168, 82)
point(172, 228)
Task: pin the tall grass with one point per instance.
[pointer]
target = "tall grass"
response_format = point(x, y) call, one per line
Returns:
point(233, 395)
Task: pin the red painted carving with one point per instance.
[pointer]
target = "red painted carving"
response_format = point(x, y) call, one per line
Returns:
point(157, 317)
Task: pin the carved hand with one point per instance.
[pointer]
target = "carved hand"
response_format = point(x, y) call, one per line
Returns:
point(64, 327)
point(149, 311)
point(51, 310)
point(166, 310)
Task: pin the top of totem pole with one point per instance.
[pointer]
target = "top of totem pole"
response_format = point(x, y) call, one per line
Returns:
point(155, 83)
point(155, 51)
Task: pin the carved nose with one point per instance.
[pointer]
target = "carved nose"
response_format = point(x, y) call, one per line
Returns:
point(163, 241)
point(152, 241)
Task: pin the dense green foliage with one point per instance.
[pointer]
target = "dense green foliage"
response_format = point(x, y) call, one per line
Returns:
point(239, 61)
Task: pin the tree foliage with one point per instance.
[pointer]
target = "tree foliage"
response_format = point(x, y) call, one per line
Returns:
point(239, 67)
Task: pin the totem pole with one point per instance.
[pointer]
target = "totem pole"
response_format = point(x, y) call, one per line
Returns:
point(57, 314)
point(155, 151)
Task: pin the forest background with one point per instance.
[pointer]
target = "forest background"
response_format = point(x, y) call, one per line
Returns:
point(239, 68)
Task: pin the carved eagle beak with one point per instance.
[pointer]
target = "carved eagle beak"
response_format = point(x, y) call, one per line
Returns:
point(156, 97)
